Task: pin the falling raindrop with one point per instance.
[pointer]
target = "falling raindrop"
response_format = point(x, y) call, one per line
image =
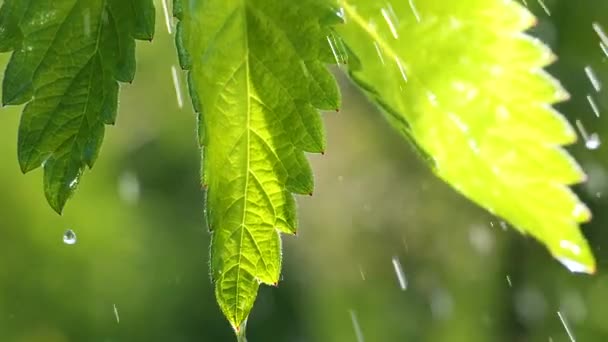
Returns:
point(509, 281)
point(414, 10)
point(116, 314)
point(593, 105)
point(362, 273)
point(69, 237)
point(128, 187)
point(600, 32)
point(595, 81)
point(402, 69)
point(566, 326)
point(337, 49)
point(168, 17)
point(400, 274)
point(356, 326)
point(544, 6)
point(177, 86)
point(389, 21)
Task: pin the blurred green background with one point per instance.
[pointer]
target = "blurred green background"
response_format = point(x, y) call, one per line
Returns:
point(139, 270)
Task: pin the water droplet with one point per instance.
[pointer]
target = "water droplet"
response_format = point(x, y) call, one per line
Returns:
point(593, 142)
point(400, 274)
point(509, 281)
point(69, 237)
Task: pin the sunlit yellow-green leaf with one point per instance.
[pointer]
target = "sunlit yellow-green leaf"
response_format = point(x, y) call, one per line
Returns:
point(464, 82)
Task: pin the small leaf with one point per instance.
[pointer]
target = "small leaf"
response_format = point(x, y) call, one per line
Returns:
point(257, 77)
point(68, 56)
point(466, 85)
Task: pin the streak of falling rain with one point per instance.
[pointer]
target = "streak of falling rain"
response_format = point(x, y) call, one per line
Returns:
point(177, 86)
point(414, 10)
point(379, 52)
point(389, 21)
point(509, 281)
point(593, 105)
point(362, 273)
point(604, 48)
point(168, 17)
point(595, 81)
point(600, 32)
point(544, 7)
point(334, 49)
point(401, 69)
point(116, 314)
point(356, 326)
point(592, 141)
point(566, 326)
point(400, 274)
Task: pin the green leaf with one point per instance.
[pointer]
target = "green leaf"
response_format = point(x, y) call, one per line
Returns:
point(466, 85)
point(257, 76)
point(68, 58)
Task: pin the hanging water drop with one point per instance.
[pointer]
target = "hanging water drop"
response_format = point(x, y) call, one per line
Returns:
point(69, 237)
point(593, 142)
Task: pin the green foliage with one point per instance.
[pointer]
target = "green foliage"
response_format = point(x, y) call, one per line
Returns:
point(256, 69)
point(467, 87)
point(68, 58)
point(459, 79)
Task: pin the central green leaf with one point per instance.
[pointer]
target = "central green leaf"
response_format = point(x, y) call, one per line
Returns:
point(257, 77)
